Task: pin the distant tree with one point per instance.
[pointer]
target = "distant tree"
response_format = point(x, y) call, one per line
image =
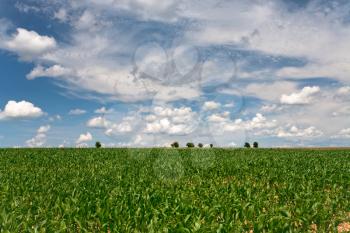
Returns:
point(256, 145)
point(175, 145)
point(98, 145)
point(190, 144)
point(247, 145)
point(211, 145)
point(200, 145)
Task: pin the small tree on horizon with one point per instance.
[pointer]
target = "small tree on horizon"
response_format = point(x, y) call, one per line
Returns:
point(211, 145)
point(190, 144)
point(256, 145)
point(98, 145)
point(175, 145)
point(200, 145)
point(247, 145)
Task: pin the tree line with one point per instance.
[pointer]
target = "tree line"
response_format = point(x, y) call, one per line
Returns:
point(200, 145)
point(192, 145)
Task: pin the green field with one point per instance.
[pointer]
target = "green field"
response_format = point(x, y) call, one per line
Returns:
point(170, 190)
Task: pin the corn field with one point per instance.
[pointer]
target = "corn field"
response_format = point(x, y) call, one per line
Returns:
point(174, 190)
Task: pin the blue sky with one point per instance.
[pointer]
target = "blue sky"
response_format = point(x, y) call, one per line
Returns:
point(147, 73)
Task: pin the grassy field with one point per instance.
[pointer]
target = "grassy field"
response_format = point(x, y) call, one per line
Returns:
point(169, 190)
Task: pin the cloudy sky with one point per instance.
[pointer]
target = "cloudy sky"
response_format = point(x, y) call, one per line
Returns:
point(147, 73)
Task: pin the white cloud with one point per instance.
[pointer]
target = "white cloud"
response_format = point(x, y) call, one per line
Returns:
point(83, 138)
point(86, 21)
point(61, 15)
point(342, 111)
point(269, 91)
point(344, 133)
point(29, 44)
point(271, 108)
point(302, 97)
point(219, 117)
point(98, 122)
point(223, 128)
point(44, 129)
point(77, 111)
point(229, 105)
point(53, 71)
point(40, 138)
point(55, 118)
point(95, 64)
point(272, 28)
point(22, 110)
point(124, 127)
point(26, 8)
point(103, 110)
point(172, 121)
point(257, 122)
point(211, 105)
point(294, 131)
point(343, 94)
point(344, 90)
point(38, 141)
point(232, 144)
point(165, 10)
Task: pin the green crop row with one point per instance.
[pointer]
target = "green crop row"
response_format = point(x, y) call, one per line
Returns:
point(173, 190)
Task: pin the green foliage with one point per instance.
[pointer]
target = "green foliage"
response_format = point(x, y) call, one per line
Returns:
point(165, 190)
point(98, 145)
point(211, 145)
point(190, 144)
point(256, 145)
point(200, 145)
point(175, 145)
point(247, 145)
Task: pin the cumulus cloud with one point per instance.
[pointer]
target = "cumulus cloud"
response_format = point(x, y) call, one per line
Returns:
point(344, 133)
point(302, 97)
point(344, 90)
point(291, 132)
point(222, 123)
point(172, 121)
point(20, 110)
point(294, 131)
point(225, 128)
point(257, 122)
point(38, 141)
point(124, 127)
point(44, 129)
point(219, 117)
point(211, 105)
point(29, 44)
point(98, 122)
point(270, 91)
point(83, 138)
point(40, 138)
